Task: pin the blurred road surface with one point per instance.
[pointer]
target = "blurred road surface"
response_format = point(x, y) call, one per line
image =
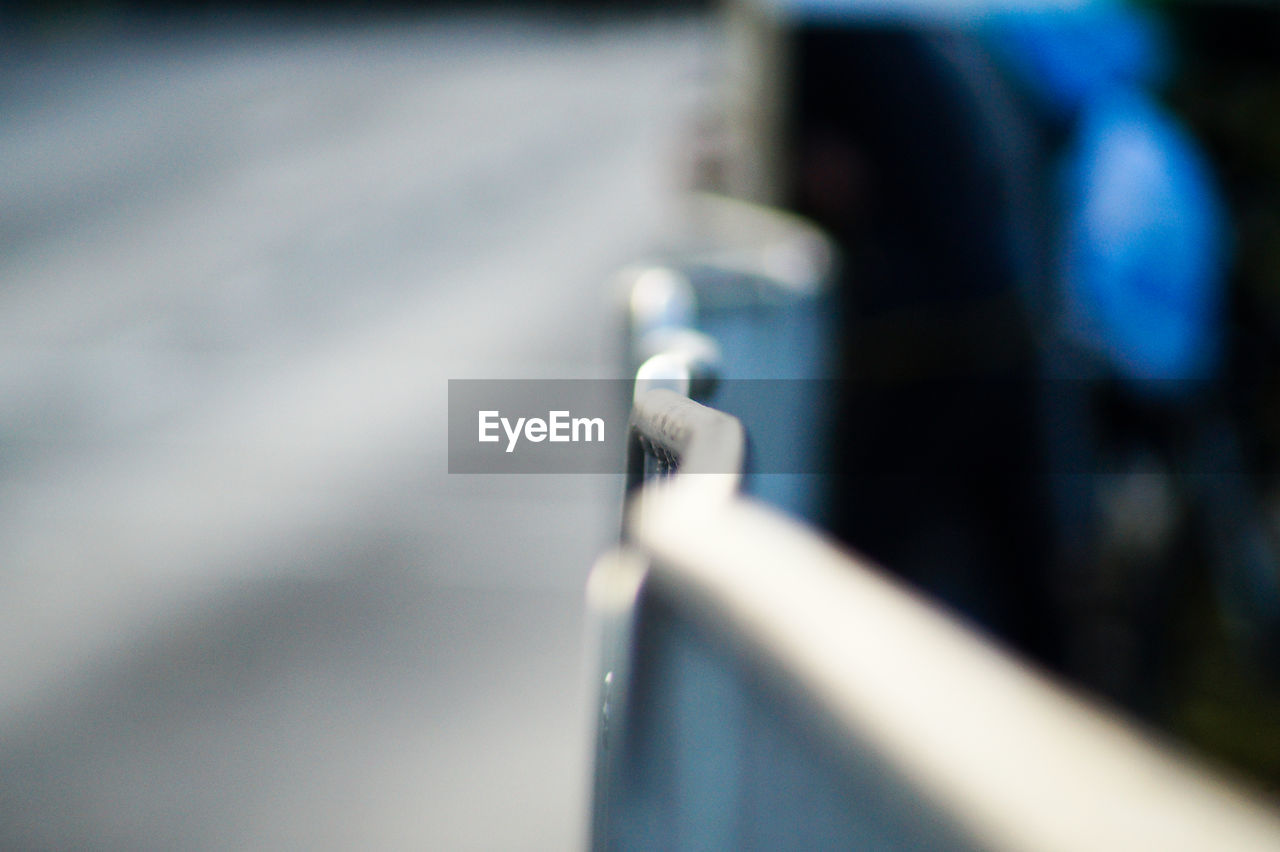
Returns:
point(242, 603)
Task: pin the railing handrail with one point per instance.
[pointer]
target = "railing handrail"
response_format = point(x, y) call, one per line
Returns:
point(698, 439)
point(987, 744)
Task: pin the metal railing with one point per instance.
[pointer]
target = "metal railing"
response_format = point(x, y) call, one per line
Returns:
point(760, 688)
point(671, 434)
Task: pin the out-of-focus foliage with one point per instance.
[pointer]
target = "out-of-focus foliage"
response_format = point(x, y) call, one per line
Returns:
point(1228, 89)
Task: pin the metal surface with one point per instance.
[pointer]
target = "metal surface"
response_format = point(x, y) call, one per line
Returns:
point(687, 439)
point(749, 630)
point(744, 294)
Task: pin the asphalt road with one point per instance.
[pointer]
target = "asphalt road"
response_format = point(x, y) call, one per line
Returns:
point(243, 605)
